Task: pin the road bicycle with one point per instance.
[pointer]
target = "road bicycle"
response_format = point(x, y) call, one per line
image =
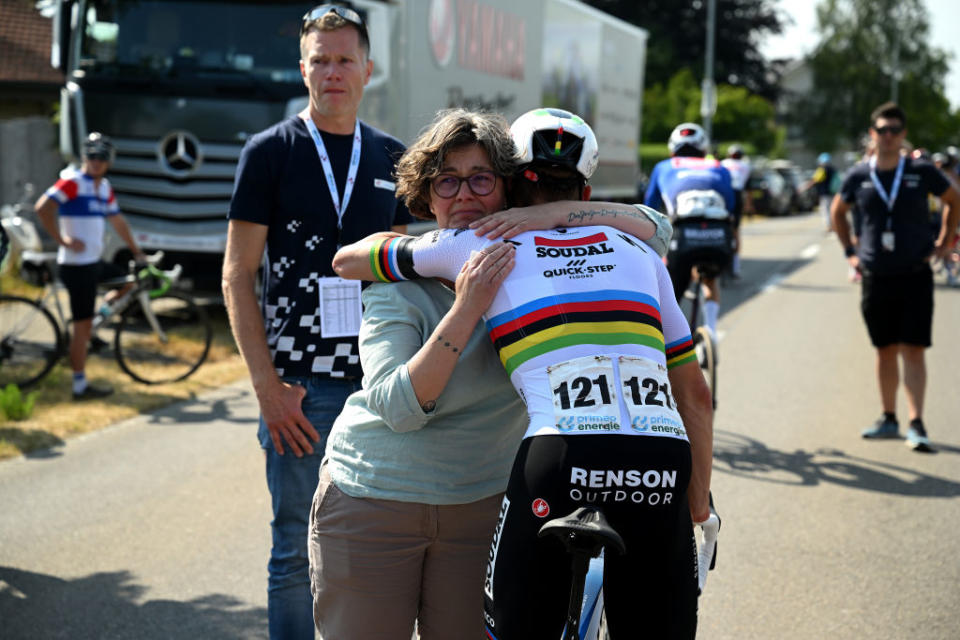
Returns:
point(587, 536)
point(703, 234)
point(704, 342)
point(159, 334)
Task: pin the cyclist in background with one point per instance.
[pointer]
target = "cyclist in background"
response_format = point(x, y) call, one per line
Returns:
point(826, 181)
point(739, 167)
point(690, 186)
point(84, 199)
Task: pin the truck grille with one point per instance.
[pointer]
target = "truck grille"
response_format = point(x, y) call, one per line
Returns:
point(150, 181)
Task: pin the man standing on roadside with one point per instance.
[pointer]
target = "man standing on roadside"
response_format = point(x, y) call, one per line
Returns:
point(305, 187)
point(890, 191)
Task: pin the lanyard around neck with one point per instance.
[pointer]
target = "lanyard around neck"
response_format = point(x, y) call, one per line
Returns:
point(339, 207)
point(891, 198)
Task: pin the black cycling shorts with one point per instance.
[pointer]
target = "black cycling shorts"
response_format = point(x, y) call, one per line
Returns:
point(81, 282)
point(898, 308)
point(737, 214)
point(640, 482)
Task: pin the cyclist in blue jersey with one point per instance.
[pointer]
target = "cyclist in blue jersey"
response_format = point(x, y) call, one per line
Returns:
point(688, 186)
point(588, 329)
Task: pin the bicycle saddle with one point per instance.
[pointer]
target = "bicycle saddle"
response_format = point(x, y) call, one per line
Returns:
point(586, 529)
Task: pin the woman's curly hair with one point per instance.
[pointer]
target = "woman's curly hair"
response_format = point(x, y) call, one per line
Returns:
point(451, 129)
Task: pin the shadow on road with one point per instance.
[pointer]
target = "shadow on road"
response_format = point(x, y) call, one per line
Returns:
point(38, 443)
point(757, 275)
point(196, 411)
point(104, 606)
point(745, 457)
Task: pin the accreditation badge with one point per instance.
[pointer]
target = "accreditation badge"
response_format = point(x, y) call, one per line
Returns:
point(887, 240)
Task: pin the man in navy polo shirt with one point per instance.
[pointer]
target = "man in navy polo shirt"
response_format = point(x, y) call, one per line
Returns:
point(304, 187)
point(890, 192)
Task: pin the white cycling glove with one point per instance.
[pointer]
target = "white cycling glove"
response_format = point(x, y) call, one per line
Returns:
point(707, 554)
point(661, 238)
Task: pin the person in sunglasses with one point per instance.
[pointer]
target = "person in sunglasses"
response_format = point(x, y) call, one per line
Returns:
point(83, 200)
point(418, 461)
point(890, 191)
point(304, 187)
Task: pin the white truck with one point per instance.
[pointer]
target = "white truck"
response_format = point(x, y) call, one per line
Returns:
point(180, 84)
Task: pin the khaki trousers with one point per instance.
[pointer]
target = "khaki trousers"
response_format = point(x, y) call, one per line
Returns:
point(376, 566)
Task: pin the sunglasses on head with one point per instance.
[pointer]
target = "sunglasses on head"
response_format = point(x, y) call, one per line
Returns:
point(894, 129)
point(346, 13)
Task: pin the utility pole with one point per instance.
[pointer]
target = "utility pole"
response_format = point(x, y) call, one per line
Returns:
point(895, 74)
point(708, 100)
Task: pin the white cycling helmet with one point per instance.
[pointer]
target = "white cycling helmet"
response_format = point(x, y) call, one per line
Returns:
point(688, 134)
point(556, 137)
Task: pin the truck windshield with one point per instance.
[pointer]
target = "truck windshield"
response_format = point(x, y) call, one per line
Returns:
point(185, 38)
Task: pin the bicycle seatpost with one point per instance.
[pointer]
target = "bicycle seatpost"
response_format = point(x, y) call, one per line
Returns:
point(584, 533)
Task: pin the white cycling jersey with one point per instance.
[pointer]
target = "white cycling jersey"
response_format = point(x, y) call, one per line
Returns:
point(586, 324)
point(739, 172)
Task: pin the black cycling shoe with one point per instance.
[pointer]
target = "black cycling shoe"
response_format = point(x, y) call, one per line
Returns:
point(92, 392)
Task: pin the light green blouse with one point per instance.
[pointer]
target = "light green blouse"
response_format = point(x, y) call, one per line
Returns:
point(384, 446)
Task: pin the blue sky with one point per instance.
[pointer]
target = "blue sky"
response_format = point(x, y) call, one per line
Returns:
point(801, 37)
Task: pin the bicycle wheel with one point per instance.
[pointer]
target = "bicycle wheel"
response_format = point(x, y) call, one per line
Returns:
point(706, 346)
point(30, 341)
point(173, 353)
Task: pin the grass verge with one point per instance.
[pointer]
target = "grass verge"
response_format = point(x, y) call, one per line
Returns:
point(57, 417)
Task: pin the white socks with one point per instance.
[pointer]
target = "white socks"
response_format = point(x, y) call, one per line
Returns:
point(711, 309)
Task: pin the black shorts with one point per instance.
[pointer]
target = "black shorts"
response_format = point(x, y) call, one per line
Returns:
point(737, 214)
point(650, 592)
point(81, 282)
point(679, 266)
point(899, 308)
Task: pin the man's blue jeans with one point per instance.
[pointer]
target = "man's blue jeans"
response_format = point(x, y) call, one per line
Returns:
point(292, 482)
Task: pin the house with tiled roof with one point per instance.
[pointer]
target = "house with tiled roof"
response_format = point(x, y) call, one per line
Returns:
point(29, 93)
point(28, 84)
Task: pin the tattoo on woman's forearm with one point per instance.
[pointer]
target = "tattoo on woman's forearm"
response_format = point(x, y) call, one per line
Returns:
point(448, 345)
point(590, 214)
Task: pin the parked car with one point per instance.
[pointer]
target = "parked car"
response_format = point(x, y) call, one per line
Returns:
point(801, 200)
point(770, 192)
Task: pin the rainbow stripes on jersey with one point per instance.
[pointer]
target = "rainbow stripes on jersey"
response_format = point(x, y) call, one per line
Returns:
point(391, 260)
point(680, 352)
point(606, 317)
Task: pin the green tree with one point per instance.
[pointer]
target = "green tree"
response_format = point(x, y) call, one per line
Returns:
point(741, 116)
point(863, 43)
point(677, 40)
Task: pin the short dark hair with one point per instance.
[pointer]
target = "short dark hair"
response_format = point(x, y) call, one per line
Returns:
point(888, 110)
point(539, 182)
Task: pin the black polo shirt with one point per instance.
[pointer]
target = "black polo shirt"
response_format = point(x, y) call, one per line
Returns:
point(280, 184)
point(910, 215)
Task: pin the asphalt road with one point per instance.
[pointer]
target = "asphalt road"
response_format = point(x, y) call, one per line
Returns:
point(158, 527)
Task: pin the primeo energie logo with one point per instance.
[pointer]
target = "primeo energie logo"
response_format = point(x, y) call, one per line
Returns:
point(567, 424)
